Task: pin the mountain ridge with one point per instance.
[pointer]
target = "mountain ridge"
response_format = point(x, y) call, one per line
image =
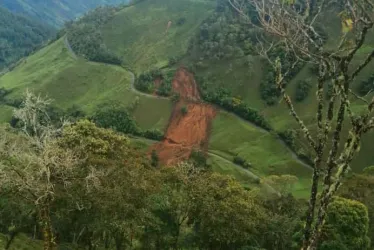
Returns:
point(56, 13)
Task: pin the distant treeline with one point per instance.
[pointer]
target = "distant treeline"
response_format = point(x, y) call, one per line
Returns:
point(86, 39)
point(19, 36)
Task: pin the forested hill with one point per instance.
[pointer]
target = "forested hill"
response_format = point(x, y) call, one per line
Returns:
point(55, 12)
point(19, 35)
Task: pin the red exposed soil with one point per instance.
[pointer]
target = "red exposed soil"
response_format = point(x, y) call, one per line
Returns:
point(185, 131)
point(184, 83)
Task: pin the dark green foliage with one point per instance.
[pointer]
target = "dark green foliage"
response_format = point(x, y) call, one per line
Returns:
point(173, 60)
point(115, 117)
point(268, 90)
point(184, 110)
point(165, 87)
point(242, 162)
point(360, 187)
point(289, 137)
point(153, 134)
point(198, 159)
point(329, 90)
point(366, 86)
point(20, 36)
point(3, 93)
point(347, 226)
point(369, 170)
point(119, 119)
point(225, 34)
point(146, 81)
point(175, 97)
point(181, 21)
point(75, 112)
point(302, 90)
point(154, 159)
point(284, 230)
point(222, 97)
point(86, 39)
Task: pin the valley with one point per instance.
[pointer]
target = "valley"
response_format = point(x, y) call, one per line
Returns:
point(187, 124)
point(70, 80)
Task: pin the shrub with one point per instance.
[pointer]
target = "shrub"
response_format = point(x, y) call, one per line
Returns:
point(184, 110)
point(302, 90)
point(3, 93)
point(173, 60)
point(165, 88)
point(145, 81)
point(153, 134)
point(224, 100)
point(198, 158)
point(366, 86)
point(241, 162)
point(154, 159)
point(288, 136)
point(115, 117)
point(175, 97)
point(369, 170)
point(181, 21)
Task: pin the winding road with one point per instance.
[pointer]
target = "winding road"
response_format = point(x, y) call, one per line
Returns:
point(67, 45)
point(132, 86)
point(249, 173)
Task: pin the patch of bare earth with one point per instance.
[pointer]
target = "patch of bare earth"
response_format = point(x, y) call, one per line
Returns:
point(188, 131)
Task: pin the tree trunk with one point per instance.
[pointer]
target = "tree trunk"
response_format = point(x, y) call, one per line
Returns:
point(45, 219)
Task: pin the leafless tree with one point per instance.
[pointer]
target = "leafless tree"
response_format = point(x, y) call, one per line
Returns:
point(294, 25)
point(32, 165)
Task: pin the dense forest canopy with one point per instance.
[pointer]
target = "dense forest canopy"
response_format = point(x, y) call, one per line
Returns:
point(20, 35)
point(55, 13)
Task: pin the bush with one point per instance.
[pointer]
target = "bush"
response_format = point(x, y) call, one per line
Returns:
point(172, 60)
point(117, 118)
point(154, 159)
point(165, 88)
point(198, 159)
point(153, 134)
point(288, 137)
point(222, 98)
point(241, 162)
point(145, 81)
point(302, 90)
point(369, 170)
point(181, 21)
point(175, 97)
point(366, 86)
point(268, 90)
point(3, 93)
point(184, 110)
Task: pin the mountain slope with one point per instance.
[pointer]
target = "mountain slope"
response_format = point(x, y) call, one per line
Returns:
point(71, 81)
point(138, 34)
point(149, 33)
point(19, 35)
point(55, 12)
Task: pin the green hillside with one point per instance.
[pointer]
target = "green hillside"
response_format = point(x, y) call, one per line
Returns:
point(267, 154)
point(141, 36)
point(55, 13)
point(214, 44)
point(20, 35)
point(55, 72)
